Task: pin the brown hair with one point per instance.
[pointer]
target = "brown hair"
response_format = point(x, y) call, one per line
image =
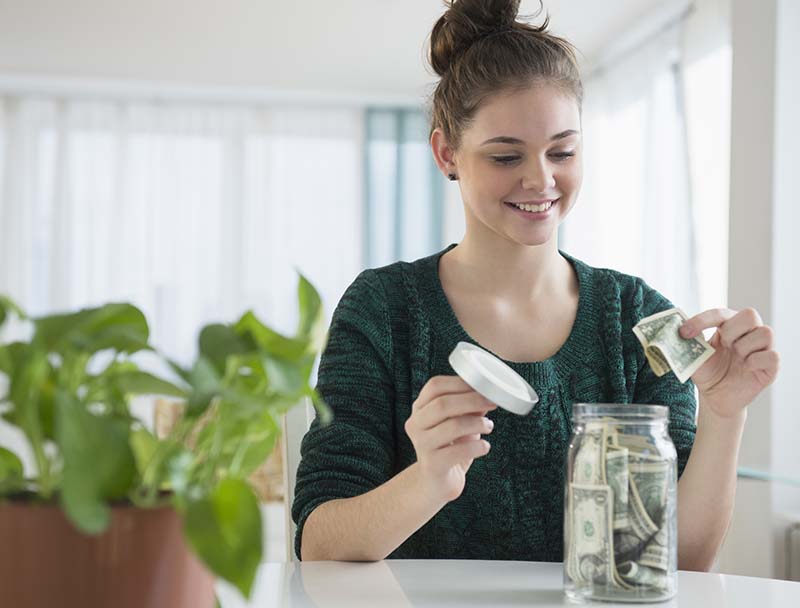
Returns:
point(480, 49)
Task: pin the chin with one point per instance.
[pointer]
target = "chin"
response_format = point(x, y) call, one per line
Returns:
point(531, 239)
point(535, 242)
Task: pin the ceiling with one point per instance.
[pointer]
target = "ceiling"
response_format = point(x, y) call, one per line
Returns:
point(372, 46)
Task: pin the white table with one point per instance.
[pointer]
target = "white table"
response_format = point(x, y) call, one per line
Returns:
point(455, 583)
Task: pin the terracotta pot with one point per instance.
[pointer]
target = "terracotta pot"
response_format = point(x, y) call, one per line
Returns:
point(140, 561)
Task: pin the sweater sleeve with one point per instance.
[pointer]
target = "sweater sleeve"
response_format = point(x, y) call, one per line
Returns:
point(665, 390)
point(355, 452)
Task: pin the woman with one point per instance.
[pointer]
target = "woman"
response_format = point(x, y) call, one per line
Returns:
point(403, 472)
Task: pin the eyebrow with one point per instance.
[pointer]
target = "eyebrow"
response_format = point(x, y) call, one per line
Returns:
point(505, 139)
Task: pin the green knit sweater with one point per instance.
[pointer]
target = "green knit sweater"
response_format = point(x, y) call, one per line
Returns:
point(394, 329)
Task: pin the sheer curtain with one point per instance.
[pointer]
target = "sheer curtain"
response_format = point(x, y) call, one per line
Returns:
point(404, 218)
point(635, 211)
point(193, 212)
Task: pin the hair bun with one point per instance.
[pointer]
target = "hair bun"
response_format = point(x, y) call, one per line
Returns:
point(464, 22)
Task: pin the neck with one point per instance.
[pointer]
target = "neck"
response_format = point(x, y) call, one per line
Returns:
point(509, 270)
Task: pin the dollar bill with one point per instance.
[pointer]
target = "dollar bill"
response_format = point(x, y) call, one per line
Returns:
point(652, 482)
point(617, 472)
point(592, 534)
point(666, 350)
point(640, 522)
point(655, 553)
point(589, 466)
point(637, 444)
point(642, 576)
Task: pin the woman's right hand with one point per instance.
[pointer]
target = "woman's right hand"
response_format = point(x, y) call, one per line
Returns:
point(445, 426)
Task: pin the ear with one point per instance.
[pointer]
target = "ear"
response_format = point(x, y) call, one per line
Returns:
point(443, 153)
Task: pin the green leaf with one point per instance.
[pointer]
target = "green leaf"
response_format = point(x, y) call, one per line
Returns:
point(225, 531)
point(7, 305)
point(122, 327)
point(178, 467)
point(323, 409)
point(14, 357)
point(312, 325)
point(99, 464)
point(206, 384)
point(284, 376)
point(142, 383)
point(245, 436)
point(258, 444)
point(7, 361)
point(269, 340)
point(171, 468)
point(26, 392)
point(18, 362)
point(46, 405)
point(218, 342)
point(10, 465)
point(183, 374)
point(143, 445)
point(240, 436)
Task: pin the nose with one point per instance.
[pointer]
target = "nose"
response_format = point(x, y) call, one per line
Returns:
point(539, 176)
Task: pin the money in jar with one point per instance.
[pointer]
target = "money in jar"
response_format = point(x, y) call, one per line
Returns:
point(620, 505)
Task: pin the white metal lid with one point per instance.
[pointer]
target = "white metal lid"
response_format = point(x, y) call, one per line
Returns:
point(492, 378)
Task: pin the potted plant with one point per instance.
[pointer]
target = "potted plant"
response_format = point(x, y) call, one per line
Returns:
point(113, 515)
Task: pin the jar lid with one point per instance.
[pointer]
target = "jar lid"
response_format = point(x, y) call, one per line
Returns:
point(492, 378)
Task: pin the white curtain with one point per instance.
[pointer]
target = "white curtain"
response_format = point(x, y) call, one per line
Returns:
point(635, 213)
point(193, 212)
point(405, 189)
point(707, 62)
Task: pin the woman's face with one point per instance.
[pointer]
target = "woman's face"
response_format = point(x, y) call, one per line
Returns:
point(522, 148)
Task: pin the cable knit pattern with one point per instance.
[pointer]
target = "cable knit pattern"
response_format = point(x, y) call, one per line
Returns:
point(394, 329)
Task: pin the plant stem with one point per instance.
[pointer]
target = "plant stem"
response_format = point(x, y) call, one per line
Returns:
point(151, 476)
point(42, 465)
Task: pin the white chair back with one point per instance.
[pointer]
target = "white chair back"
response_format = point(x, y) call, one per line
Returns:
point(295, 425)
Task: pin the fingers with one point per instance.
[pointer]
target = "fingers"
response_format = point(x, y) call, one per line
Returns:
point(763, 360)
point(742, 323)
point(454, 430)
point(709, 318)
point(461, 452)
point(731, 325)
point(440, 385)
point(466, 438)
point(760, 338)
point(450, 406)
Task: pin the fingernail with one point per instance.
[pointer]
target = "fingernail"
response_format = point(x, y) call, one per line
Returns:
point(489, 423)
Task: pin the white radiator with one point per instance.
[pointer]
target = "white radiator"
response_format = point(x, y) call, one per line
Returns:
point(792, 551)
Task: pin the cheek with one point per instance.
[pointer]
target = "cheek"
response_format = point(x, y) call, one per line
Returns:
point(571, 178)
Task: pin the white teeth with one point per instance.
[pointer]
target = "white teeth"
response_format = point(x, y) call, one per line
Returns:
point(534, 208)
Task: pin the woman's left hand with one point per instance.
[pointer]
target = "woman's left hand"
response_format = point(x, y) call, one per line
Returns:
point(744, 363)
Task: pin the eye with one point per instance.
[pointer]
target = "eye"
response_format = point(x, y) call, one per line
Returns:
point(505, 160)
point(563, 155)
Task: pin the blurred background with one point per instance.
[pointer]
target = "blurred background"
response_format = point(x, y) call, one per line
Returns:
point(191, 157)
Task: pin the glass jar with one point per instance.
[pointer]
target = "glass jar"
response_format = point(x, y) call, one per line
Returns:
point(620, 505)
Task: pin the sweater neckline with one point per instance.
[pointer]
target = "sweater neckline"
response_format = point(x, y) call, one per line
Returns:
point(541, 373)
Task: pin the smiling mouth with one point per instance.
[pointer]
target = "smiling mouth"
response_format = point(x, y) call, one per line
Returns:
point(533, 208)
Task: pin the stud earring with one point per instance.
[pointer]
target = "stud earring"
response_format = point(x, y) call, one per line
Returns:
point(452, 177)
